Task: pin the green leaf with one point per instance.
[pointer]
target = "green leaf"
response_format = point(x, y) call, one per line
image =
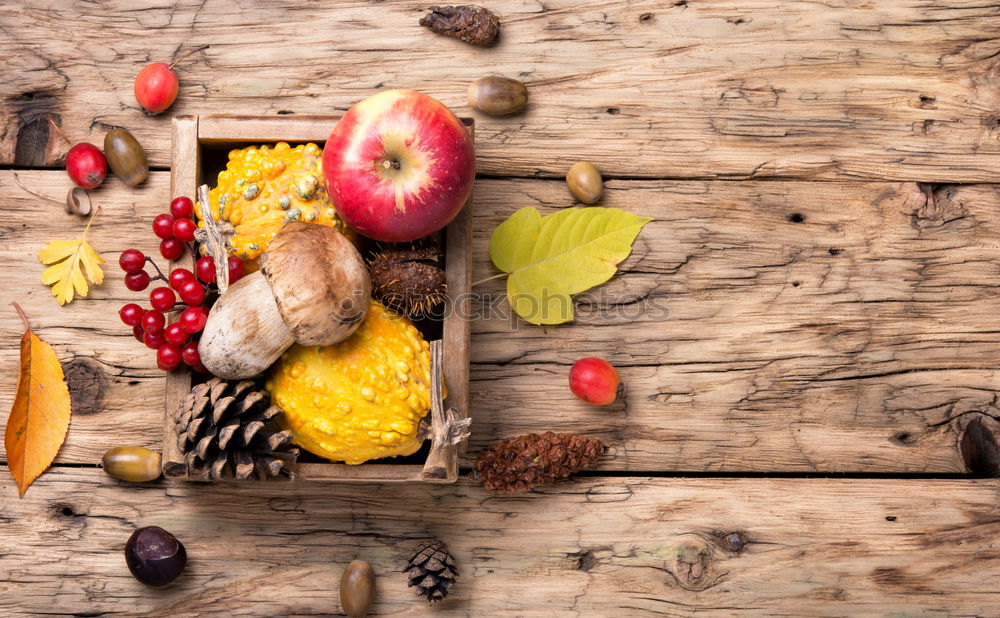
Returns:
point(550, 258)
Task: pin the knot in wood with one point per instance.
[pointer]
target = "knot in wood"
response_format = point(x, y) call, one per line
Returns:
point(88, 385)
point(694, 566)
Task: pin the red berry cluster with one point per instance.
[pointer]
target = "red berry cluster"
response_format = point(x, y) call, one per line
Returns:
point(177, 342)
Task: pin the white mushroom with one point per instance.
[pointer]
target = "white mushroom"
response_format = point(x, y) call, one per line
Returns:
point(313, 289)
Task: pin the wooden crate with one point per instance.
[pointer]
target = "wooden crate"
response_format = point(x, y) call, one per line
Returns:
point(192, 135)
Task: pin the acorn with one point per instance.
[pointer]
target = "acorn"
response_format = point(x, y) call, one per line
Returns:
point(409, 278)
point(126, 157)
point(132, 463)
point(357, 589)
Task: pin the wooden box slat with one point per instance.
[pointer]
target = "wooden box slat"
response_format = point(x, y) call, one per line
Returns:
point(190, 135)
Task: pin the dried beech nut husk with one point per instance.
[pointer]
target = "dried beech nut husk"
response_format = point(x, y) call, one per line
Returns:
point(470, 23)
point(134, 464)
point(125, 156)
point(585, 183)
point(497, 96)
point(357, 589)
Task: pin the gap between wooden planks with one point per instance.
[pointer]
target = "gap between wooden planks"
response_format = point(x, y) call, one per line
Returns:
point(627, 546)
point(802, 328)
point(897, 90)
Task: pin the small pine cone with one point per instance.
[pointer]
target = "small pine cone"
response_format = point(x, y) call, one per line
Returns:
point(521, 463)
point(432, 570)
point(409, 279)
point(224, 429)
point(470, 23)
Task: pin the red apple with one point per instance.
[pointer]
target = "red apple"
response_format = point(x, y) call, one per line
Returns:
point(156, 87)
point(399, 165)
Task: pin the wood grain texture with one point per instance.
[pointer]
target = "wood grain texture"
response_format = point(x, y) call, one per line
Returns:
point(898, 90)
point(593, 547)
point(861, 339)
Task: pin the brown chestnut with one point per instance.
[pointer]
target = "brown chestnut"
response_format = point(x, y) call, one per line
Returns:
point(357, 589)
point(154, 556)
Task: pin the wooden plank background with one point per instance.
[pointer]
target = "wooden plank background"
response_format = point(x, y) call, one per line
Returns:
point(773, 330)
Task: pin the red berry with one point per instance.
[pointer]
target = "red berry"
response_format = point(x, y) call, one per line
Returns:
point(162, 299)
point(131, 260)
point(171, 249)
point(181, 207)
point(153, 340)
point(138, 333)
point(175, 334)
point(86, 165)
point(153, 321)
point(205, 268)
point(178, 276)
point(236, 269)
point(200, 368)
point(131, 314)
point(163, 226)
point(137, 282)
point(193, 319)
point(168, 356)
point(184, 230)
point(156, 87)
point(192, 292)
point(594, 380)
point(189, 354)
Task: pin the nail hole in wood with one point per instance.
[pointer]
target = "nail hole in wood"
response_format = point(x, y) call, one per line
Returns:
point(646, 17)
point(614, 111)
point(796, 284)
point(586, 561)
point(285, 112)
point(890, 518)
point(796, 217)
point(834, 251)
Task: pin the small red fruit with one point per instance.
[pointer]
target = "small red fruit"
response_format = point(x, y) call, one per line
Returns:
point(153, 340)
point(156, 87)
point(163, 226)
point(131, 314)
point(153, 321)
point(181, 207)
point(236, 269)
point(138, 333)
point(184, 230)
point(86, 165)
point(162, 298)
point(171, 249)
point(168, 356)
point(131, 260)
point(137, 282)
point(205, 268)
point(191, 292)
point(175, 334)
point(594, 380)
point(193, 319)
point(189, 354)
point(178, 276)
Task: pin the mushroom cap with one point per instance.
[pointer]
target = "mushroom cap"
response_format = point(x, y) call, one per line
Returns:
point(319, 282)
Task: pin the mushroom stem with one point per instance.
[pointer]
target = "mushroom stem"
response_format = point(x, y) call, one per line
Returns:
point(244, 334)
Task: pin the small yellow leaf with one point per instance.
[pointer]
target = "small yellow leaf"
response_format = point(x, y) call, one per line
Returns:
point(553, 257)
point(67, 260)
point(39, 418)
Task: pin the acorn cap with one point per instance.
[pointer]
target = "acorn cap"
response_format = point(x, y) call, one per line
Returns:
point(319, 282)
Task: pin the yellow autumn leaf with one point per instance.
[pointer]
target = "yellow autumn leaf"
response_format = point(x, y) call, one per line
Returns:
point(67, 261)
point(550, 258)
point(39, 418)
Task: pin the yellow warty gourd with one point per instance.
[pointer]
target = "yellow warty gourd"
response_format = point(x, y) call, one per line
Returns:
point(360, 399)
point(262, 187)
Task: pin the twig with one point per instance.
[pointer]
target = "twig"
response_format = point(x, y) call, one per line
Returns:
point(24, 318)
point(193, 51)
point(38, 195)
point(58, 130)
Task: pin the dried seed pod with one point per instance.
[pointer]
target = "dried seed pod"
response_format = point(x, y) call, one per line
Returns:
point(132, 463)
point(497, 96)
point(523, 462)
point(409, 279)
point(470, 23)
point(357, 589)
point(78, 201)
point(126, 157)
point(585, 182)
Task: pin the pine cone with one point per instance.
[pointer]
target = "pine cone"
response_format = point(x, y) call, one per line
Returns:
point(409, 279)
point(470, 23)
point(521, 463)
point(222, 428)
point(432, 570)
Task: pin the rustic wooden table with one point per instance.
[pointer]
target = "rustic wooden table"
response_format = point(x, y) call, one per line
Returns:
point(825, 247)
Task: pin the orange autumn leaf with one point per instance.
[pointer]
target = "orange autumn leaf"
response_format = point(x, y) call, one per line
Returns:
point(40, 415)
